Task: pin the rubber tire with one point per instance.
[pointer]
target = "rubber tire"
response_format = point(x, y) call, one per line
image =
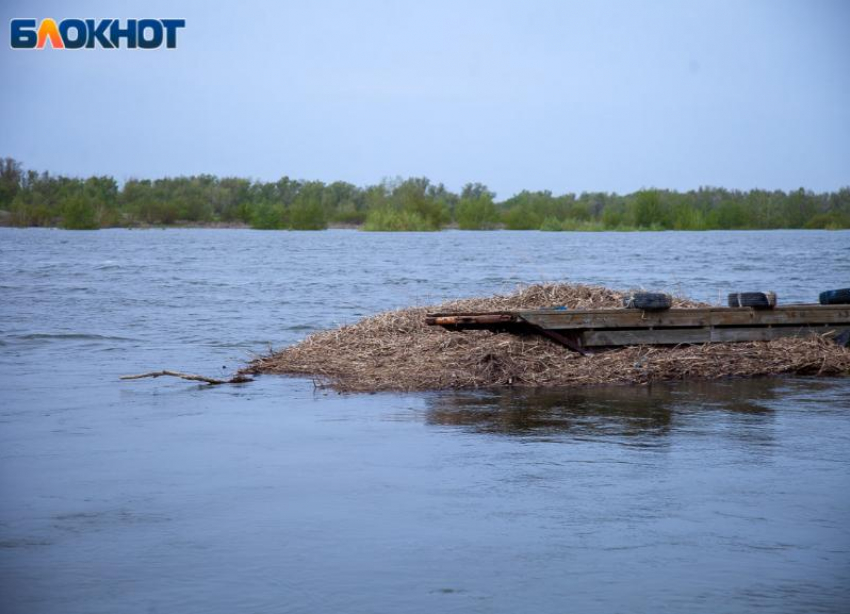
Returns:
point(648, 301)
point(835, 297)
point(756, 300)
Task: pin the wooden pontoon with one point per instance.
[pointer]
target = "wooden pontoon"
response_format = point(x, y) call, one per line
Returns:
point(579, 329)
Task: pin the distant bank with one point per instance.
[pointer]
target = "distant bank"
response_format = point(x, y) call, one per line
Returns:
point(31, 198)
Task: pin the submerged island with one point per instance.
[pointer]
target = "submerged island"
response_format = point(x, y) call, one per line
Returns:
point(398, 351)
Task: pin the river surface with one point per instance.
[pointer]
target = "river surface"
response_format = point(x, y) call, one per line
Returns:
point(163, 496)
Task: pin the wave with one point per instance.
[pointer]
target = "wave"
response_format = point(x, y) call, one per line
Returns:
point(68, 337)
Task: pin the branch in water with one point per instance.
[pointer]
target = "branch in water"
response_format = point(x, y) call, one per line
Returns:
point(236, 379)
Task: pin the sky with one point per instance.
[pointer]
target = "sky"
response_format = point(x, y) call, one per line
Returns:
point(567, 96)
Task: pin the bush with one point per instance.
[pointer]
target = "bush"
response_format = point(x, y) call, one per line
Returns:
point(478, 213)
point(613, 216)
point(307, 214)
point(522, 217)
point(551, 224)
point(267, 216)
point(29, 214)
point(79, 214)
point(572, 225)
point(829, 221)
point(575, 225)
point(348, 214)
point(388, 219)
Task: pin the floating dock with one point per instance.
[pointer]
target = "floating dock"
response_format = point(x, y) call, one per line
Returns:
point(580, 329)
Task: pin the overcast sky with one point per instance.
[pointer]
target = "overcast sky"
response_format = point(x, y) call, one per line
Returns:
point(567, 96)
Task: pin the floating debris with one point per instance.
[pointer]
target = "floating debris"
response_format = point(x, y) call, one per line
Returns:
point(239, 378)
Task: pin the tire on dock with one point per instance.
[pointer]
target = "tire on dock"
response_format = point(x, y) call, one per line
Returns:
point(647, 301)
point(835, 297)
point(756, 300)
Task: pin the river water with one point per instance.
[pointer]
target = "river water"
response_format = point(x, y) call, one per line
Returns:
point(162, 496)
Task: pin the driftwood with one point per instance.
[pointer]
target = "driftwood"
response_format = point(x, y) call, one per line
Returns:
point(236, 379)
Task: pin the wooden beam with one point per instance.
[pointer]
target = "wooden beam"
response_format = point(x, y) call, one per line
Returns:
point(569, 341)
point(718, 316)
point(616, 318)
point(677, 336)
point(669, 336)
point(725, 335)
point(614, 327)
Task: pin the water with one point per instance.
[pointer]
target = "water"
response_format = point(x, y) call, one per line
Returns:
point(165, 496)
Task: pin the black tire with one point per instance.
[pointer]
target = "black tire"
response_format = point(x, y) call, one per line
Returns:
point(756, 300)
point(648, 301)
point(835, 297)
point(843, 339)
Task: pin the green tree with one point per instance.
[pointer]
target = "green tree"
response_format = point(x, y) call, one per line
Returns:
point(231, 200)
point(307, 211)
point(799, 207)
point(78, 213)
point(527, 210)
point(267, 216)
point(475, 210)
point(412, 204)
point(729, 215)
point(648, 209)
point(10, 181)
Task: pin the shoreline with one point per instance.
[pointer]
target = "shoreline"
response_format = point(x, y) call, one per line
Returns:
point(453, 227)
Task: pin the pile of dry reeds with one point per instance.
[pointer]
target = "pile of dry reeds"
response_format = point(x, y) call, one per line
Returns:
point(396, 350)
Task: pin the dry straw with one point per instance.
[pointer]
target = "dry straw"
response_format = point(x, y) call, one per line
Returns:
point(396, 350)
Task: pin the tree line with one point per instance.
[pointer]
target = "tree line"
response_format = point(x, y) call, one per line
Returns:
point(30, 198)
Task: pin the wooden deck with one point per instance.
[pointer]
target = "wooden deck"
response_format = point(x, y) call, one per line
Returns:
point(616, 327)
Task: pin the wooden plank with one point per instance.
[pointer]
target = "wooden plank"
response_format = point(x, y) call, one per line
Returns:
point(570, 341)
point(670, 336)
point(673, 336)
point(616, 318)
point(717, 316)
point(782, 315)
point(723, 335)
